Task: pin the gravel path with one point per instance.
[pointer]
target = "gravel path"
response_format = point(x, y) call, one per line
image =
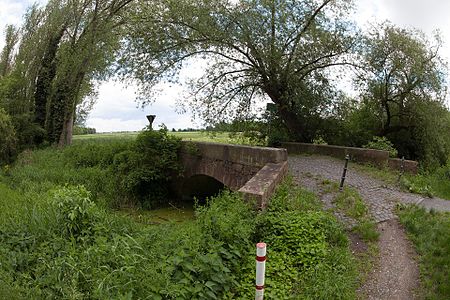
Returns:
point(396, 273)
point(380, 197)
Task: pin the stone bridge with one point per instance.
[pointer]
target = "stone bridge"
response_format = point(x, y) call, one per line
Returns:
point(253, 171)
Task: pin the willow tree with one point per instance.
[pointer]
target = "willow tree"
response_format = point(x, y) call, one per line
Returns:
point(403, 84)
point(85, 54)
point(7, 54)
point(253, 51)
point(64, 48)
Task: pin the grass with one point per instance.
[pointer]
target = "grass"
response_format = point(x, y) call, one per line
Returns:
point(196, 136)
point(430, 233)
point(427, 183)
point(352, 205)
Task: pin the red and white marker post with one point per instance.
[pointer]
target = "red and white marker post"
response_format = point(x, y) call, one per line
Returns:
point(260, 270)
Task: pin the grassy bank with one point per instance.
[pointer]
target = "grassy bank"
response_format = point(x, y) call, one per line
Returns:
point(430, 233)
point(62, 245)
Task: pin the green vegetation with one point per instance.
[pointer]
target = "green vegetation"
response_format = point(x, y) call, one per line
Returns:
point(61, 244)
point(429, 183)
point(349, 202)
point(8, 140)
point(145, 170)
point(382, 143)
point(430, 233)
point(241, 138)
point(116, 171)
point(256, 50)
point(433, 183)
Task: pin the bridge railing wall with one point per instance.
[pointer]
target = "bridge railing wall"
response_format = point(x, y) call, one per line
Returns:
point(380, 158)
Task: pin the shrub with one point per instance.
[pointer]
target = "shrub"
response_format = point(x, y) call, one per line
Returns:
point(77, 215)
point(382, 143)
point(144, 172)
point(8, 140)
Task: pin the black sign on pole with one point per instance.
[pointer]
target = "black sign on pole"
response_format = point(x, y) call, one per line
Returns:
point(151, 118)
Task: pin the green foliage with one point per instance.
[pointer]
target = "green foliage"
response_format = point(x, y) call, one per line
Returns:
point(367, 230)
point(144, 171)
point(115, 171)
point(382, 143)
point(80, 130)
point(430, 233)
point(76, 212)
point(350, 202)
point(403, 87)
point(64, 245)
point(8, 140)
point(417, 184)
point(290, 61)
point(308, 256)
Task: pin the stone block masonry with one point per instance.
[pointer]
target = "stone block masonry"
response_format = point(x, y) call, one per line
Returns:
point(253, 171)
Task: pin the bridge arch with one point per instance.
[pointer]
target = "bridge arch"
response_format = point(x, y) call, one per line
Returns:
point(201, 186)
point(253, 171)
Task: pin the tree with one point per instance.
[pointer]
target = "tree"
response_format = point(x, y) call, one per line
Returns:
point(403, 84)
point(255, 50)
point(6, 56)
point(64, 48)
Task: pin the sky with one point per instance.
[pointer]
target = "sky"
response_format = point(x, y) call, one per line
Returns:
point(117, 110)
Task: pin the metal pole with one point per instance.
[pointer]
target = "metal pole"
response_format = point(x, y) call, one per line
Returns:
point(341, 186)
point(402, 169)
point(260, 270)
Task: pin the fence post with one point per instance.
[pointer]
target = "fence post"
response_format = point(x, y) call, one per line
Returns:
point(341, 186)
point(402, 169)
point(260, 270)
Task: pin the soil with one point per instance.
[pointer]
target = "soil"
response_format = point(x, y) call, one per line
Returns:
point(396, 274)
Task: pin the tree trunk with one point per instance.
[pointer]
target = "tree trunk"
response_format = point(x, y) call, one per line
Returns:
point(67, 131)
point(45, 78)
point(289, 117)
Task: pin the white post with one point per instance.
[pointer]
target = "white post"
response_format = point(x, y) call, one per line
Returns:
point(260, 270)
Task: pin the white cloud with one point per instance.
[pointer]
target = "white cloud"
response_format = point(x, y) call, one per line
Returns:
point(116, 109)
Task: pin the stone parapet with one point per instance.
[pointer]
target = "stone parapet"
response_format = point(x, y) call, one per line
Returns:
point(377, 157)
point(261, 186)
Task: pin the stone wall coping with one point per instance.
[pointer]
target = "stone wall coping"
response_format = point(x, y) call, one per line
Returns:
point(247, 155)
point(261, 186)
point(383, 152)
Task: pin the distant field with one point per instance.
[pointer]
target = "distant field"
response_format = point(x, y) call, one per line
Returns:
point(199, 136)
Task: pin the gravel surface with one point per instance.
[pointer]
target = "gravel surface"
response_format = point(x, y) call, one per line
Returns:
point(380, 197)
point(396, 273)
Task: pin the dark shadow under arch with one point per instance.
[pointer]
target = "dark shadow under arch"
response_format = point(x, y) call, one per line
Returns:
point(201, 187)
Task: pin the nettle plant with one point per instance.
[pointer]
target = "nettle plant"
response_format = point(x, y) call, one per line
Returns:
point(78, 216)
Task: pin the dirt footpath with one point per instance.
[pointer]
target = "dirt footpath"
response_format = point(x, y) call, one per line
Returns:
point(396, 273)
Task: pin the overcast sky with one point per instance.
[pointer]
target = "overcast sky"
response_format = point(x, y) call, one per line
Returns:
point(116, 109)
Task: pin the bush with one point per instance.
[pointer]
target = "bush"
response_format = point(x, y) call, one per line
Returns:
point(144, 172)
point(78, 216)
point(8, 140)
point(382, 143)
